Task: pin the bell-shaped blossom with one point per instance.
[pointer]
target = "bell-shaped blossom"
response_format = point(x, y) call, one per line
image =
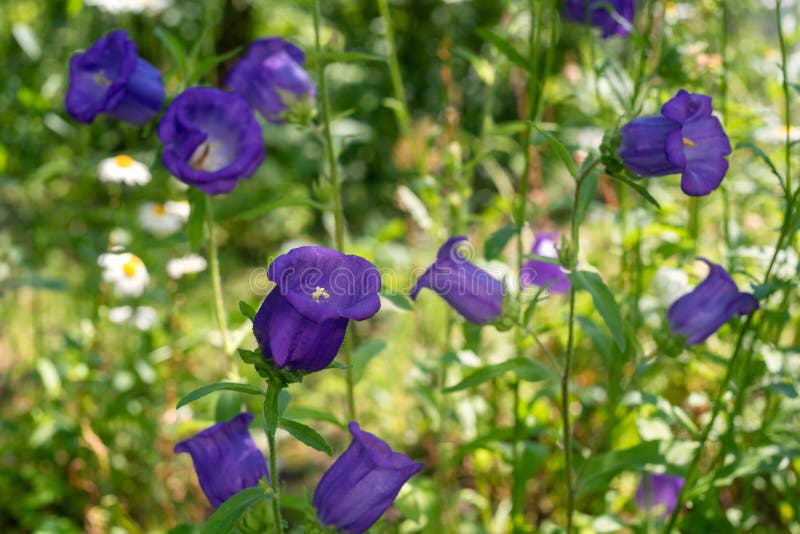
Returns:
point(685, 139)
point(111, 78)
point(271, 78)
point(362, 483)
point(211, 139)
point(710, 305)
point(302, 322)
point(226, 459)
point(542, 273)
point(657, 491)
point(471, 291)
point(596, 13)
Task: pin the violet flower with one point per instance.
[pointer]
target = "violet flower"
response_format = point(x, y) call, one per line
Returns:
point(362, 483)
point(710, 305)
point(599, 16)
point(659, 490)
point(473, 292)
point(225, 458)
point(302, 322)
point(542, 273)
point(271, 78)
point(211, 139)
point(684, 139)
point(111, 78)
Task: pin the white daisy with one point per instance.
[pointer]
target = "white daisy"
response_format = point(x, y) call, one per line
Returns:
point(126, 272)
point(129, 6)
point(123, 169)
point(142, 317)
point(163, 219)
point(190, 264)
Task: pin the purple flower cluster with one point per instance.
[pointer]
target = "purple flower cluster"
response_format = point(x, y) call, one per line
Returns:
point(211, 137)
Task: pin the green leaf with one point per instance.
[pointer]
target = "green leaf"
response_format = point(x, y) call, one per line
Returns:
point(398, 299)
point(197, 216)
point(225, 517)
point(760, 153)
point(603, 301)
point(266, 207)
point(329, 57)
point(626, 179)
point(505, 47)
point(586, 196)
point(525, 369)
point(306, 434)
point(497, 241)
point(38, 282)
point(363, 354)
point(247, 310)
point(301, 412)
point(561, 150)
point(174, 47)
point(218, 386)
point(203, 67)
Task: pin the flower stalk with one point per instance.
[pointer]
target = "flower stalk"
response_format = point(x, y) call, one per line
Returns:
point(338, 211)
point(216, 285)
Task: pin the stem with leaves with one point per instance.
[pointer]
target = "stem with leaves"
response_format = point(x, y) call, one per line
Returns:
point(338, 211)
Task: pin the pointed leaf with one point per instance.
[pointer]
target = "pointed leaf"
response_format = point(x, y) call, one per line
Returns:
point(306, 434)
point(363, 354)
point(225, 517)
point(525, 369)
point(504, 47)
point(247, 310)
point(603, 301)
point(561, 150)
point(497, 241)
point(218, 386)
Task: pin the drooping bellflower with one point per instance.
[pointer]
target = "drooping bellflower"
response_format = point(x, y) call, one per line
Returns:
point(302, 322)
point(471, 291)
point(271, 78)
point(657, 490)
point(111, 78)
point(362, 483)
point(685, 139)
point(710, 305)
point(226, 459)
point(211, 139)
point(542, 273)
point(596, 13)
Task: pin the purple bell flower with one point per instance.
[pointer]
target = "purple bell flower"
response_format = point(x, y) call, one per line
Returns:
point(598, 16)
point(271, 78)
point(362, 483)
point(541, 273)
point(659, 490)
point(225, 458)
point(684, 139)
point(111, 78)
point(302, 322)
point(710, 305)
point(211, 139)
point(473, 292)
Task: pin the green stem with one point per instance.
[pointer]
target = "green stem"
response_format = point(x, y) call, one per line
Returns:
point(401, 109)
point(216, 285)
point(786, 98)
point(270, 426)
point(338, 211)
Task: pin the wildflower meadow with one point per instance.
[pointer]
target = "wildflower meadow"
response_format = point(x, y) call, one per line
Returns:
point(399, 266)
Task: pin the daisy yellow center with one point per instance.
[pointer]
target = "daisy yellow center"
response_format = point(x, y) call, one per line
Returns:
point(159, 210)
point(124, 161)
point(319, 293)
point(131, 266)
point(688, 142)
